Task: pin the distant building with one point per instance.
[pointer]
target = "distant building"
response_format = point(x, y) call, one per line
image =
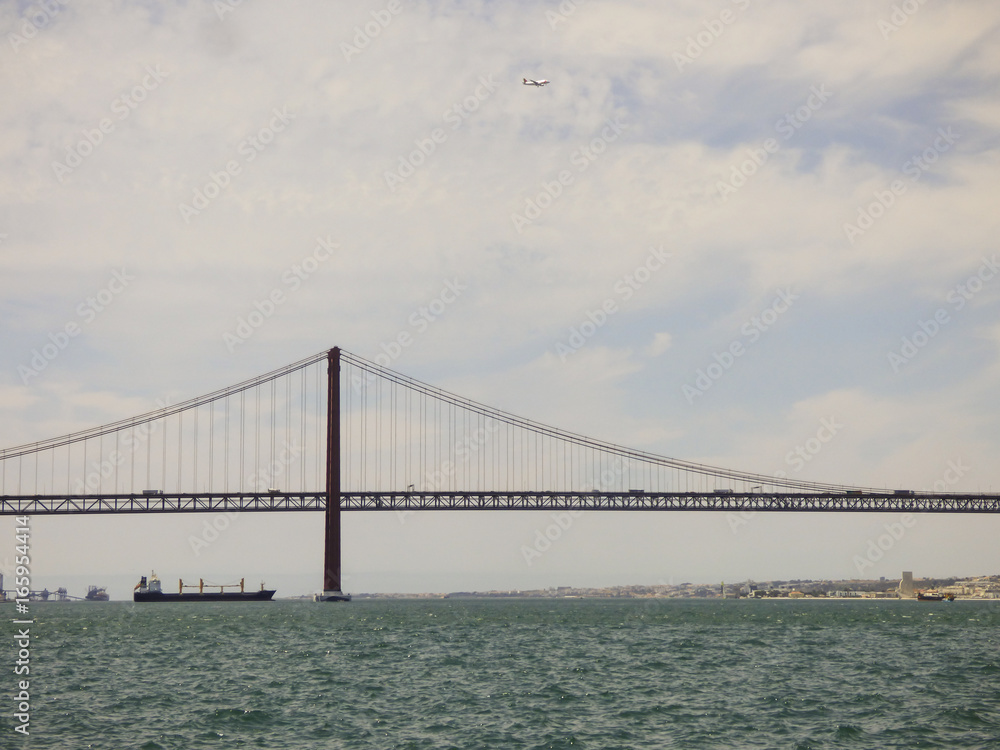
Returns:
point(906, 590)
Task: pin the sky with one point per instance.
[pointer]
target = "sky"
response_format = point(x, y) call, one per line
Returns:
point(761, 236)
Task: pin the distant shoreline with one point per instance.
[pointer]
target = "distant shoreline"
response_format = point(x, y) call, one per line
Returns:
point(978, 588)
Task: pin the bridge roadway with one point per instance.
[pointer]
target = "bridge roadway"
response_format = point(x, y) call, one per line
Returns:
point(896, 502)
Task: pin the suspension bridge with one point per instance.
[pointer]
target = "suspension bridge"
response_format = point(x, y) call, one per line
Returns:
point(335, 432)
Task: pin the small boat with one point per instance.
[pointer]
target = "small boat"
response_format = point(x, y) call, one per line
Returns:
point(332, 596)
point(152, 591)
point(934, 596)
point(97, 594)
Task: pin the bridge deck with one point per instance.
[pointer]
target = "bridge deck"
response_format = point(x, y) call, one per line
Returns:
point(550, 501)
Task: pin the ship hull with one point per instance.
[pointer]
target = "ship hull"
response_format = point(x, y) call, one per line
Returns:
point(225, 596)
point(332, 596)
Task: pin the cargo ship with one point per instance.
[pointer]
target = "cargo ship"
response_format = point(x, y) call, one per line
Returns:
point(152, 591)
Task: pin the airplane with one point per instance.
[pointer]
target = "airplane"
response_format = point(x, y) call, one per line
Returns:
point(529, 82)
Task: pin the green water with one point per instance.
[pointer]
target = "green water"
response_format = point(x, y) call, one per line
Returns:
point(511, 674)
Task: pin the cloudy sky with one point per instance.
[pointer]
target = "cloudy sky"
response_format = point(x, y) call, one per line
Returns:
point(786, 211)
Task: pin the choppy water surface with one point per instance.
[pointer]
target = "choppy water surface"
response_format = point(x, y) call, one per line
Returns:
point(514, 674)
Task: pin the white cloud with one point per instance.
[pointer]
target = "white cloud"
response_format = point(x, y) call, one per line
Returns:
point(660, 343)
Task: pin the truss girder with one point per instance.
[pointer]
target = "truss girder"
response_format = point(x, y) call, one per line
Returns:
point(182, 503)
point(543, 501)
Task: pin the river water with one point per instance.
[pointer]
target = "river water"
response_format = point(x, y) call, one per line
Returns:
point(512, 673)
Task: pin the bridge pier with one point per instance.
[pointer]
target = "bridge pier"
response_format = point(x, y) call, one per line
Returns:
point(331, 544)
